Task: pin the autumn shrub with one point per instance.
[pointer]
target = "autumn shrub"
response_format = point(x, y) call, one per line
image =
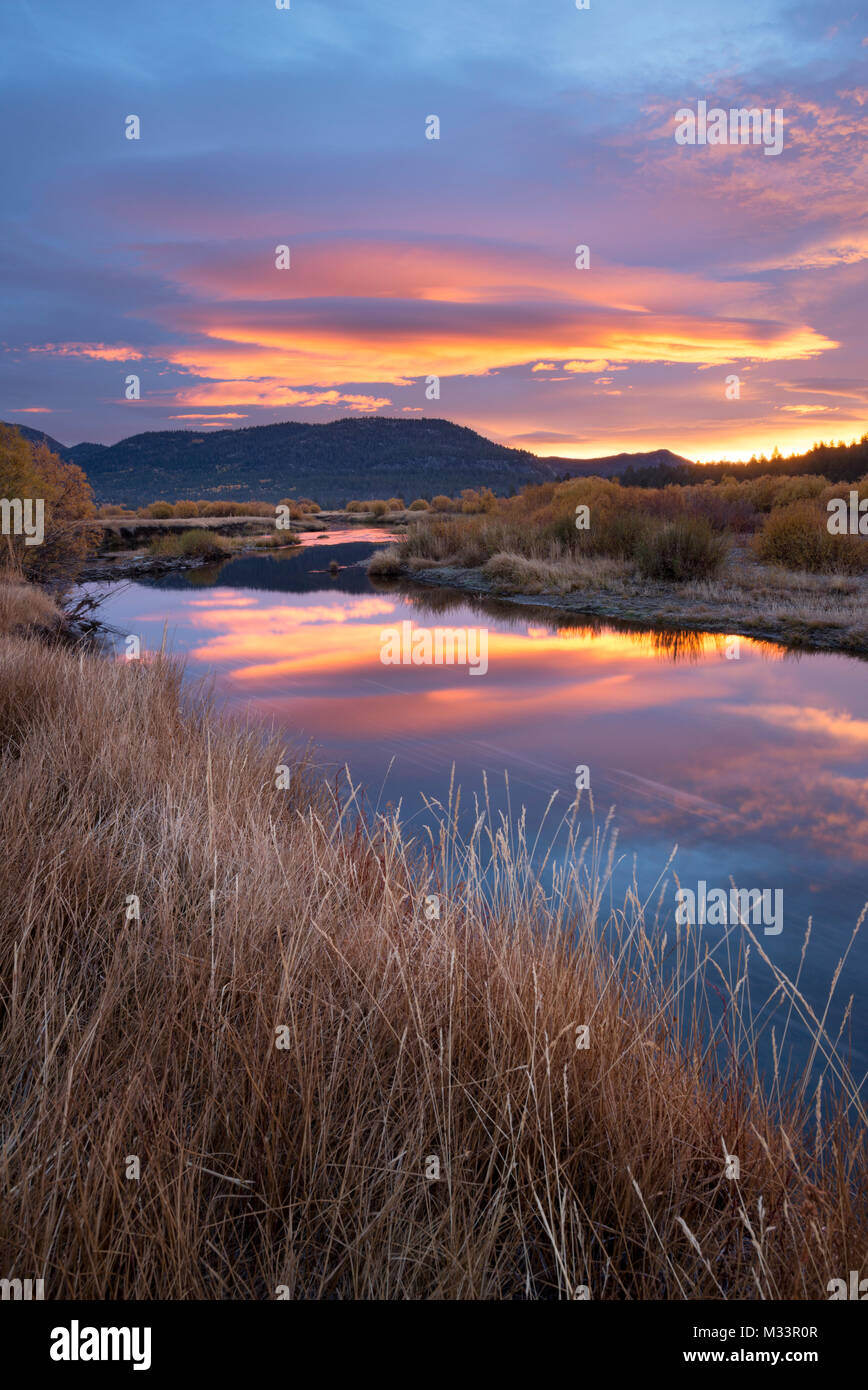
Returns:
point(481, 500)
point(254, 508)
point(798, 489)
point(681, 550)
point(30, 475)
point(617, 534)
point(798, 538)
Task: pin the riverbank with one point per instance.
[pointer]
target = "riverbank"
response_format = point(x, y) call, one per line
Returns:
point(138, 564)
point(253, 1042)
point(122, 554)
point(799, 611)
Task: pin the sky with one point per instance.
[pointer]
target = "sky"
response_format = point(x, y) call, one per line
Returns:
point(413, 258)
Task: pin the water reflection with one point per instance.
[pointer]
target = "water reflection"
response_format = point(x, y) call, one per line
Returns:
point(757, 767)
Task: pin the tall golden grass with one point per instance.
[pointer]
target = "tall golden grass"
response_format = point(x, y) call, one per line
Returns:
point(408, 1038)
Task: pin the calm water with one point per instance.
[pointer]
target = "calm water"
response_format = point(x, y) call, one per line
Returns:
point(756, 767)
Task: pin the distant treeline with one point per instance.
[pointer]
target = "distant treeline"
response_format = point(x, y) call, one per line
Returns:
point(840, 463)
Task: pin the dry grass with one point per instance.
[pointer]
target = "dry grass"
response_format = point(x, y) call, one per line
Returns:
point(25, 607)
point(511, 573)
point(406, 1039)
point(207, 545)
point(275, 540)
point(385, 564)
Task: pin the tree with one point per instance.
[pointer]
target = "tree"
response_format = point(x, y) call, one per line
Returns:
point(31, 474)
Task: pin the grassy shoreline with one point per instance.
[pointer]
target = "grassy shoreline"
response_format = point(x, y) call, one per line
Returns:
point(285, 1035)
point(811, 612)
point(759, 557)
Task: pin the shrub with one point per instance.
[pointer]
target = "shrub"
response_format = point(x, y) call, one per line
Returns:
point(220, 509)
point(440, 503)
point(797, 537)
point(724, 511)
point(207, 545)
point(395, 504)
point(185, 508)
point(681, 550)
point(160, 511)
point(615, 533)
point(799, 489)
point(378, 508)
point(295, 511)
point(420, 505)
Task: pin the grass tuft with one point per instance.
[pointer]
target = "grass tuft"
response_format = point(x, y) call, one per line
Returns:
point(208, 545)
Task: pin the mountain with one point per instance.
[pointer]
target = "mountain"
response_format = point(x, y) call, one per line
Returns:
point(333, 463)
point(40, 437)
point(376, 456)
point(612, 464)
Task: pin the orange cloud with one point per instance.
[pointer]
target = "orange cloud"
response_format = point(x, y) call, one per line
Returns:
point(252, 363)
point(391, 311)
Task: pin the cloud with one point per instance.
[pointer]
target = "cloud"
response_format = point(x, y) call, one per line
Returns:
point(329, 344)
point(599, 365)
point(101, 351)
point(847, 388)
point(272, 392)
point(454, 258)
point(544, 436)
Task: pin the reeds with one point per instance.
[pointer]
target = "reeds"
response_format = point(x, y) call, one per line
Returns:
point(294, 1017)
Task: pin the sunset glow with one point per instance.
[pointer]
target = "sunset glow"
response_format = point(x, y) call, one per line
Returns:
point(454, 257)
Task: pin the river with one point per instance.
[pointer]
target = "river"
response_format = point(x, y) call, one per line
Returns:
point(752, 760)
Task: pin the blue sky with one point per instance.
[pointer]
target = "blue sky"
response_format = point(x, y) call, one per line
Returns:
point(455, 257)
